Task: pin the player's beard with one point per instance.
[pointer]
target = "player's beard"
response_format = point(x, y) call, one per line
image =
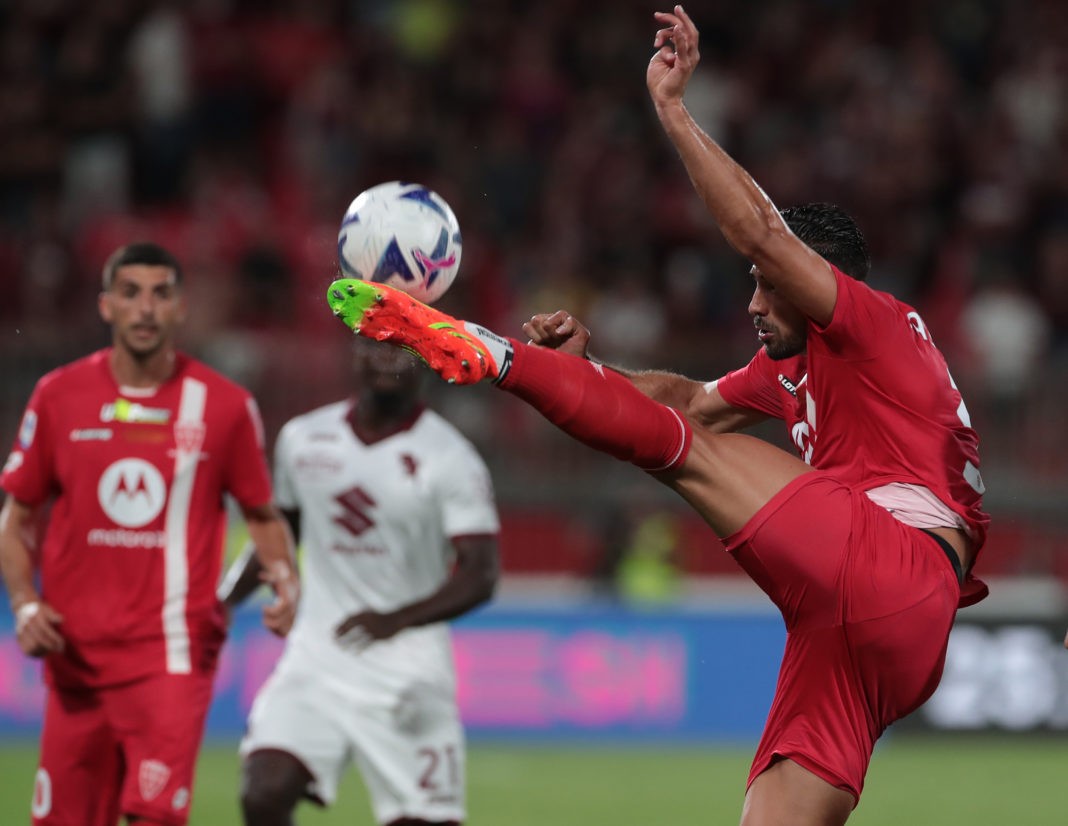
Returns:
point(784, 346)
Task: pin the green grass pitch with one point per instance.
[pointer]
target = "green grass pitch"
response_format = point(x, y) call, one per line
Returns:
point(980, 782)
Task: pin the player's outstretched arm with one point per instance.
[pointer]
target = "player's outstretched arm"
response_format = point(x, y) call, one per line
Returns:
point(473, 581)
point(744, 213)
point(273, 540)
point(36, 622)
point(700, 401)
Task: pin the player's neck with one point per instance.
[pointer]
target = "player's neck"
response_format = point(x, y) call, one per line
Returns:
point(376, 417)
point(141, 372)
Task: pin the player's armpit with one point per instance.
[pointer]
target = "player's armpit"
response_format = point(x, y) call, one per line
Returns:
point(711, 411)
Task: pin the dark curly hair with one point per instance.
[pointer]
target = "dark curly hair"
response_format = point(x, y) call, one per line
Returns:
point(829, 231)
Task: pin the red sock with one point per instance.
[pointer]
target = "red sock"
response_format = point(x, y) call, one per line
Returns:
point(599, 407)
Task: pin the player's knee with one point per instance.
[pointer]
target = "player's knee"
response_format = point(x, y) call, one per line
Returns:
point(264, 803)
point(269, 796)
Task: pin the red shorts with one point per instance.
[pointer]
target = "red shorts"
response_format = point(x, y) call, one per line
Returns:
point(868, 604)
point(123, 750)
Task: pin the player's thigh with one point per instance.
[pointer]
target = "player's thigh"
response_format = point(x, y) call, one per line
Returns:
point(301, 713)
point(160, 722)
point(273, 781)
point(412, 756)
point(79, 775)
point(902, 605)
point(787, 793)
point(728, 477)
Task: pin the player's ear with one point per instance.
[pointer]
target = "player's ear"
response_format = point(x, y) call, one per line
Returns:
point(183, 307)
point(103, 304)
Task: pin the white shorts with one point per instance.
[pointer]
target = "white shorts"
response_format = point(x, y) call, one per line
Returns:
point(408, 744)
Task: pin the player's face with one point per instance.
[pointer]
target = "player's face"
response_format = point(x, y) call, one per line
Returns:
point(386, 370)
point(144, 307)
point(781, 327)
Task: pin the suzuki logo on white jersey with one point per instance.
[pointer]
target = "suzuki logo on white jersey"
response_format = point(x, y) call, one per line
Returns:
point(132, 492)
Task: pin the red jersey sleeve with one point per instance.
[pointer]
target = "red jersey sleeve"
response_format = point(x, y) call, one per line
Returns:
point(247, 478)
point(753, 387)
point(27, 474)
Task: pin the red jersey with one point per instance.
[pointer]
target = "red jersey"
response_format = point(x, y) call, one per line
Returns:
point(872, 401)
point(133, 549)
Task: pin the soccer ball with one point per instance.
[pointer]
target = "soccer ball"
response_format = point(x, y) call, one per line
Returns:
point(403, 235)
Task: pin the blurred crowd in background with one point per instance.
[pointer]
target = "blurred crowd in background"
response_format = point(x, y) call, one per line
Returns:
point(236, 132)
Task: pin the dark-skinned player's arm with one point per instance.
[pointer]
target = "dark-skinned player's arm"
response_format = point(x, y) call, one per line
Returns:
point(268, 557)
point(745, 215)
point(472, 582)
point(36, 622)
point(700, 401)
point(245, 574)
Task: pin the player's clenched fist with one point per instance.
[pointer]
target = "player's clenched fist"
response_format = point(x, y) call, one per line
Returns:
point(36, 628)
point(278, 616)
point(559, 331)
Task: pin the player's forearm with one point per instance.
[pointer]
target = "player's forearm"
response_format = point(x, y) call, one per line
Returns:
point(455, 599)
point(16, 561)
point(669, 389)
point(16, 568)
point(273, 542)
point(469, 586)
point(744, 213)
point(242, 578)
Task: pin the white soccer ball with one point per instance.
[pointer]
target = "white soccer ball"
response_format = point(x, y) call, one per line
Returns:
point(403, 235)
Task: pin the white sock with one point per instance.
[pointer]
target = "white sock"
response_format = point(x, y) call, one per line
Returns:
point(499, 347)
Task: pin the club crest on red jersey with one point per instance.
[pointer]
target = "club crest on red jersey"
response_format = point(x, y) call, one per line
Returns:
point(152, 778)
point(189, 436)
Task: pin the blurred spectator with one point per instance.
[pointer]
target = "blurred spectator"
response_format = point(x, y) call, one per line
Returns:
point(159, 58)
point(1008, 332)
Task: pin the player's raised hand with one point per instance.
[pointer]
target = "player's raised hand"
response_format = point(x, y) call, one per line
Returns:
point(360, 630)
point(36, 629)
point(675, 59)
point(559, 331)
point(278, 616)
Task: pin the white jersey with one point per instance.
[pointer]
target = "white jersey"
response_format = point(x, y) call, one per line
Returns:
point(376, 525)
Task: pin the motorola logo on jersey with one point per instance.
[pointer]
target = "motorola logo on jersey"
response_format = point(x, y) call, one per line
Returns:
point(132, 492)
